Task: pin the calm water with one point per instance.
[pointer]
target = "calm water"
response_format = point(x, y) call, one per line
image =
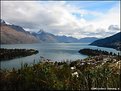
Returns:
point(53, 51)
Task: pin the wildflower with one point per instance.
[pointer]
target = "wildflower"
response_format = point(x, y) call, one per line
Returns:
point(72, 68)
point(75, 74)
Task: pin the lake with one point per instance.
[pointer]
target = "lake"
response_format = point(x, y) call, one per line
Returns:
point(53, 51)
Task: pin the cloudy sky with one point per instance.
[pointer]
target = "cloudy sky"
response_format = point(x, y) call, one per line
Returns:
point(71, 18)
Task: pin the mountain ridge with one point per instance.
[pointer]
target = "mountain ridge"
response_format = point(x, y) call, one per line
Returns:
point(13, 34)
point(16, 34)
point(113, 41)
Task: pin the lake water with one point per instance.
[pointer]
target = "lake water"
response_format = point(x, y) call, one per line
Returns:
point(53, 51)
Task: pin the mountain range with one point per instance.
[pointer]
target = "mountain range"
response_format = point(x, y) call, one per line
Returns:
point(11, 34)
point(48, 37)
point(14, 34)
point(113, 41)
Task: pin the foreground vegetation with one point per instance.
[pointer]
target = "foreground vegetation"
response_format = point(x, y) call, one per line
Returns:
point(6, 54)
point(93, 72)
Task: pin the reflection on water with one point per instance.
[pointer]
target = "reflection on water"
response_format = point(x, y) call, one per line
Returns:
point(53, 51)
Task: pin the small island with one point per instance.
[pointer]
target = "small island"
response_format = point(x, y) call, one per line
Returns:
point(7, 54)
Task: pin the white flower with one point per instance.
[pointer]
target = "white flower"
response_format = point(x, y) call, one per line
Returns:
point(82, 64)
point(75, 74)
point(88, 63)
point(72, 68)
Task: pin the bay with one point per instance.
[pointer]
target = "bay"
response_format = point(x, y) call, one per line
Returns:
point(51, 51)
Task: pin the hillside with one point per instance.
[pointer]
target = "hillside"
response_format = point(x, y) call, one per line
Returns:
point(11, 34)
point(94, 72)
point(113, 41)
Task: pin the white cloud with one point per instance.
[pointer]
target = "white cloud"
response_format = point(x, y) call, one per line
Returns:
point(113, 27)
point(58, 18)
point(111, 17)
